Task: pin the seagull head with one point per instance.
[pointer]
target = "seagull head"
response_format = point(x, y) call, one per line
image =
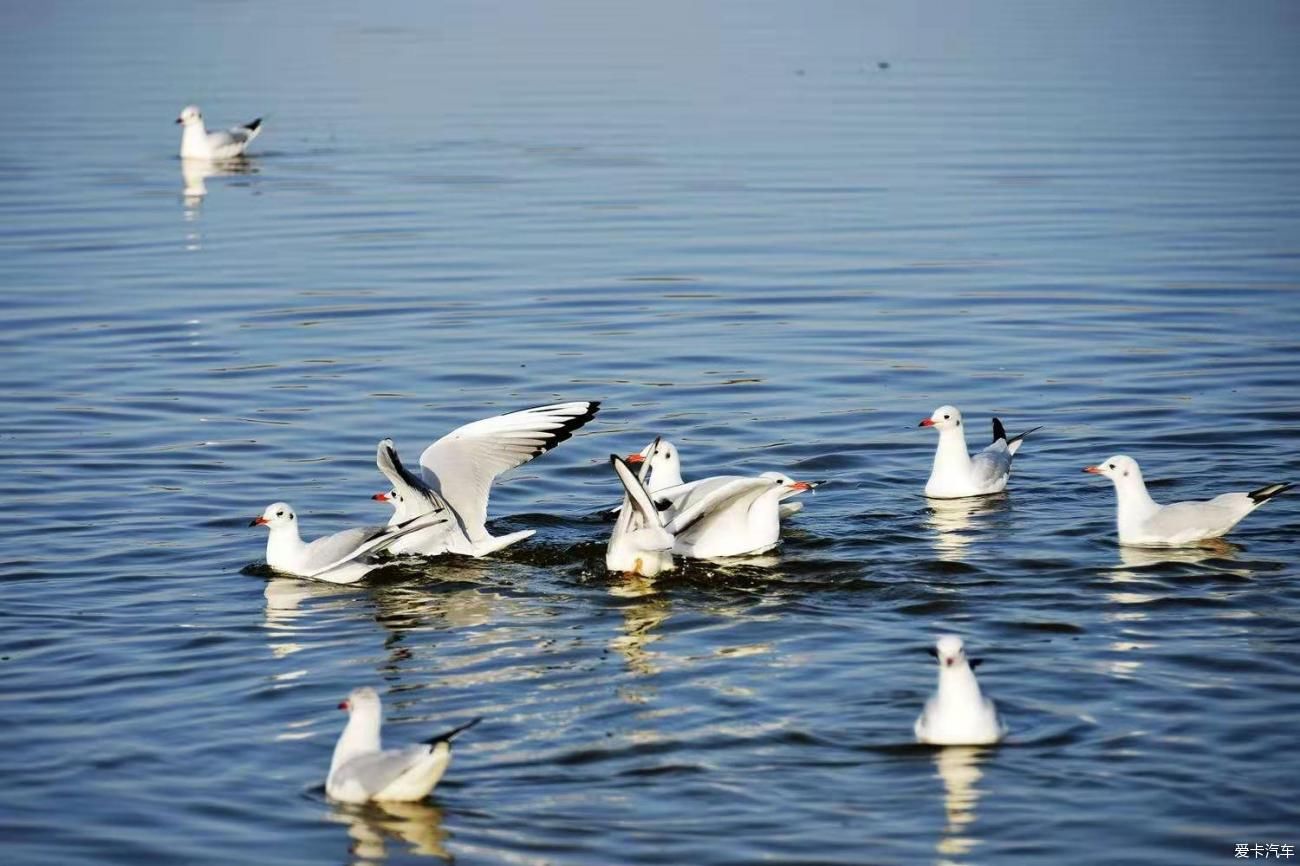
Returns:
point(276, 515)
point(944, 418)
point(788, 483)
point(1120, 469)
point(949, 651)
point(360, 699)
point(190, 114)
point(660, 453)
point(390, 496)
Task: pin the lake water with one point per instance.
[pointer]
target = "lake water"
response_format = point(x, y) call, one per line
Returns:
point(777, 234)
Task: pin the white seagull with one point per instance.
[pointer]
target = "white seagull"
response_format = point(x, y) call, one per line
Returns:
point(956, 474)
point(362, 770)
point(958, 714)
point(666, 475)
point(198, 143)
point(1144, 522)
point(458, 471)
point(337, 558)
point(639, 543)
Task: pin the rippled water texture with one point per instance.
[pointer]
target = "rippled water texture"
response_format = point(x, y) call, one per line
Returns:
point(779, 234)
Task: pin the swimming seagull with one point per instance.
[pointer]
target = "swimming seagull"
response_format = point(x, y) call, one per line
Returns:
point(198, 143)
point(956, 474)
point(639, 544)
point(666, 476)
point(337, 558)
point(362, 770)
point(457, 472)
point(1143, 521)
point(958, 714)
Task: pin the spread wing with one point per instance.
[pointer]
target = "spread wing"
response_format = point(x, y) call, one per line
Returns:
point(417, 497)
point(462, 465)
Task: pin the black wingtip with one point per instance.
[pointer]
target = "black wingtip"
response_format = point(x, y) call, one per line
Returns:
point(1268, 491)
point(974, 663)
point(254, 125)
point(934, 653)
point(446, 737)
point(566, 430)
point(999, 432)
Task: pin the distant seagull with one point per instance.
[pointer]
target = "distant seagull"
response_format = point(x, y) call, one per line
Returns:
point(956, 474)
point(1143, 521)
point(337, 558)
point(458, 470)
point(666, 475)
point(362, 770)
point(198, 143)
point(958, 714)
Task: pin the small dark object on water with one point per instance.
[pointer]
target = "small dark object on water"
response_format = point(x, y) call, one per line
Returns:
point(883, 64)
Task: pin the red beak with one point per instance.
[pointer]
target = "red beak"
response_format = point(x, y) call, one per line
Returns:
point(926, 423)
point(801, 485)
point(634, 458)
point(949, 662)
point(380, 497)
point(257, 521)
point(343, 705)
point(1093, 470)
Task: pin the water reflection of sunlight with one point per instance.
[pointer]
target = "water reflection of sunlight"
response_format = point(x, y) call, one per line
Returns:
point(283, 596)
point(1142, 557)
point(958, 767)
point(640, 618)
point(417, 825)
point(952, 520)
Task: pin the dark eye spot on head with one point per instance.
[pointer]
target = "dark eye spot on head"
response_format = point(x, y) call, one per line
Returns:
point(958, 422)
point(946, 417)
point(1110, 466)
point(1126, 473)
point(279, 514)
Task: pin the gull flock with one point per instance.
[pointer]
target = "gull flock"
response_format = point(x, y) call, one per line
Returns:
point(443, 509)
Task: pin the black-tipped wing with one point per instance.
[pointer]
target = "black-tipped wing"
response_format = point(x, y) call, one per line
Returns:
point(1268, 491)
point(419, 497)
point(335, 550)
point(447, 736)
point(462, 465)
point(639, 508)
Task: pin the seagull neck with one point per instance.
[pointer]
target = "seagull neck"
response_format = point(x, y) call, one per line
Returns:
point(359, 737)
point(283, 544)
point(194, 139)
point(958, 684)
point(663, 477)
point(951, 455)
point(1134, 502)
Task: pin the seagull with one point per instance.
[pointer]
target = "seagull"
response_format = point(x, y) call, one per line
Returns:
point(666, 476)
point(337, 558)
point(198, 143)
point(958, 714)
point(458, 470)
point(362, 770)
point(639, 543)
point(956, 474)
point(742, 516)
point(1143, 521)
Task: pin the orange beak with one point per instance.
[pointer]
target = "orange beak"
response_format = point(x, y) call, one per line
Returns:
point(343, 705)
point(380, 497)
point(926, 423)
point(801, 485)
point(257, 521)
point(634, 458)
point(1092, 470)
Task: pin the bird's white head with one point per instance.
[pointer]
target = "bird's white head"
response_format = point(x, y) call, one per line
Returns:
point(360, 700)
point(392, 497)
point(788, 483)
point(190, 114)
point(1120, 469)
point(950, 651)
point(276, 516)
point(663, 460)
point(944, 418)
